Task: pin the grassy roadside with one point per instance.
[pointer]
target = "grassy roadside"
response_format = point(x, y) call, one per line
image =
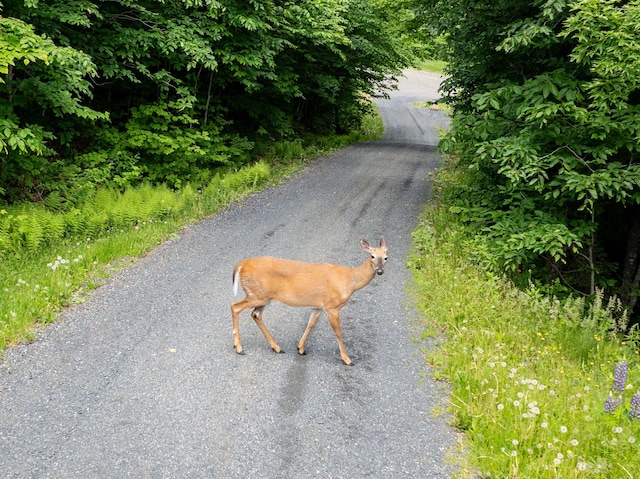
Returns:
point(51, 260)
point(434, 66)
point(530, 376)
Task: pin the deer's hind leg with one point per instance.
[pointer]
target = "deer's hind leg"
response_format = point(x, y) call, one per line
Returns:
point(256, 314)
point(239, 306)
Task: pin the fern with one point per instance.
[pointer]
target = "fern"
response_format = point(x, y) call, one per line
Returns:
point(52, 224)
point(27, 227)
point(250, 176)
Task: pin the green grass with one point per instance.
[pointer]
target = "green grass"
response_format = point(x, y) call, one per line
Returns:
point(528, 375)
point(434, 66)
point(50, 260)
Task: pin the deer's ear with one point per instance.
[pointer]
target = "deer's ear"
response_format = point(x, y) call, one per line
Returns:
point(383, 242)
point(365, 244)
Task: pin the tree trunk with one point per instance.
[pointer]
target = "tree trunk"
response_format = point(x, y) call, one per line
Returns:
point(631, 268)
point(208, 104)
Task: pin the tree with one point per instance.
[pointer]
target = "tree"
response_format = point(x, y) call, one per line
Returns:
point(189, 85)
point(547, 119)
point(40, 82)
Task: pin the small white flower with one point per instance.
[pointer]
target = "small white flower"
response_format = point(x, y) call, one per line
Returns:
point(632, 440)
point(500, 407)
point(544, 425)
point(582, 466)
point(515, 442)
point(563, 429)
point(574, 442)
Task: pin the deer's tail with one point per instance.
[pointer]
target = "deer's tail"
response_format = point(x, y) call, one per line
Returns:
point(236, 280)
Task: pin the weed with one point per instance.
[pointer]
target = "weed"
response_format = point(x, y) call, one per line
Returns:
point(541, 387)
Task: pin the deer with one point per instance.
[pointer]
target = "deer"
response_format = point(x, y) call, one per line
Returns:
point(323, 287)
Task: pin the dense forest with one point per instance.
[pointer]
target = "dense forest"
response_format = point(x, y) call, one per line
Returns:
point(546, 128)
point(111, 93)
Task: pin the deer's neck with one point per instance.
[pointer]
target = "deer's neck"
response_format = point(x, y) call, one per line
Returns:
point(362, 275)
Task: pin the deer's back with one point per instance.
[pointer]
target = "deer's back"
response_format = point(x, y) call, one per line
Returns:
point(295, 283)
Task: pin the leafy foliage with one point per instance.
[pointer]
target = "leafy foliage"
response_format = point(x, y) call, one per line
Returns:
point(38, 79)
point(547, 120)
point(177, 89)
point(531, 375)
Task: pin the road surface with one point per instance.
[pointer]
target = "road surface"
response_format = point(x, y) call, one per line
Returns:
point(142, 380)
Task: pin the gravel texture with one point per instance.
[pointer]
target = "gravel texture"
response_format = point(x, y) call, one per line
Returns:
point(142, 380)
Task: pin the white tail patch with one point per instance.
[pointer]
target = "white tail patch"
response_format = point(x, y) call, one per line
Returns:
point(236, 283)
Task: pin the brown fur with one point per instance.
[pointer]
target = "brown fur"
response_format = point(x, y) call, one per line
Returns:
point(325, 287)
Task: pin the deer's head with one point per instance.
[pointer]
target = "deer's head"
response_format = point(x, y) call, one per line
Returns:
point(378, 255)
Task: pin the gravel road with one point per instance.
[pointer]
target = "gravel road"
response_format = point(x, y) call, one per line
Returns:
point(142, 380)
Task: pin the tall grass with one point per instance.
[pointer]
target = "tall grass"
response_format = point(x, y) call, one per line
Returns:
point(50, 260)
point(434, 66)
point(530, 376)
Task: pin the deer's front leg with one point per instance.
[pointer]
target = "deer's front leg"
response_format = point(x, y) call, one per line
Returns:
point(313, 319)
point(334, 320)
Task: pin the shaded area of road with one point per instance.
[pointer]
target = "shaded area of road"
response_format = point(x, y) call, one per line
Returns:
point(142, 380)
